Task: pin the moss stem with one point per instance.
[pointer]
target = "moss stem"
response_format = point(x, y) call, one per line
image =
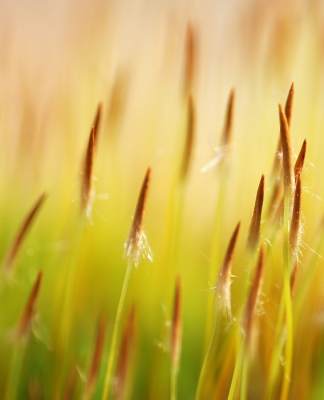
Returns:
point(116, 329)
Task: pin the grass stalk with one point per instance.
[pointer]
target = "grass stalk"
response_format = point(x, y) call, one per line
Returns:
point(224, 170)
point(277, 350)
point(216, 245)
point(237, 370)
point(113, 346)
point(288, 303)
point(212, 340)
point(176, 339)
point(66, 316)
point(244, 377)
point(12, 384)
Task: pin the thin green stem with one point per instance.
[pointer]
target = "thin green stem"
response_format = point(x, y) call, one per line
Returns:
point(12, 384)
point(66, 316)
point(177, 224)
point(174, 381)
point(215, 246)
point(115, 334)
point(244, 378)
point(237, 369)
point(278, 345)
point(211, 343)
point(307, 281)
point(287, 295)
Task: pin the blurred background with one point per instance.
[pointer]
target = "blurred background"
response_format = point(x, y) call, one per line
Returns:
point(58, 60)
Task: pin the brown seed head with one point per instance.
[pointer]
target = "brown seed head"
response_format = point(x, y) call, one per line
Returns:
point(254, 230)
point(300, 160)
point(96, 358)
point(134, 243)
point(86, 189)
point(25, 323)
point(289, 104)
point(124, 356)
point(288, 172)
point(227, 133)
point(224, 279)
point(295, 227)
point(190, 59)
point(97, 122)
point(176, 327)
point(187, 155)
point(288, 111)
point(252, 300)
point(17, 242)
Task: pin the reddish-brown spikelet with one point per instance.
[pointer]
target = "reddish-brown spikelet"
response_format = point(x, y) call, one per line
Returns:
point(176, 327)
point(288, 112)
point(133, 245)
point(96, 358)
point(294, 233)
point(97, 122)
point(254, 230)
point(17, 242)
point(124, 356)
point(289, 104)
point(227, 133)
point(250, 306)
point(86, 189)
point(187, 155)
point(24, 325)
point(190, 59)
point(300, 160)
point(224, 279)
point(288, 172)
